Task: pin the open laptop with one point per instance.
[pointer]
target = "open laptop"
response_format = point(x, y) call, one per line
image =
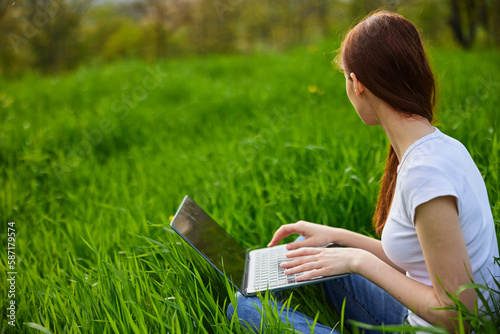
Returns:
point(248, 271)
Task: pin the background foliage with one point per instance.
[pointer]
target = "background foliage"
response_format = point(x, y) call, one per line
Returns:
point(58, 35)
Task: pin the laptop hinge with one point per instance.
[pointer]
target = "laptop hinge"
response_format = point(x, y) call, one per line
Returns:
point(244, 284)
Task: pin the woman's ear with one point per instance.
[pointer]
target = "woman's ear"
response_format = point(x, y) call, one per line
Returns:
point(357, 85)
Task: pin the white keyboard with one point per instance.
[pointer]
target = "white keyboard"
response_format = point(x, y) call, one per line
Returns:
point(268, 272)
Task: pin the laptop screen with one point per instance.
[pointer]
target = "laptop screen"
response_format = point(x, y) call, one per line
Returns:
point(211, 240)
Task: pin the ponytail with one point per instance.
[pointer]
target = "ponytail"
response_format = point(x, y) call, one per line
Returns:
point(386, 194)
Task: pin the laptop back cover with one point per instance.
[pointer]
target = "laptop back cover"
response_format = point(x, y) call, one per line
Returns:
point(197, 228)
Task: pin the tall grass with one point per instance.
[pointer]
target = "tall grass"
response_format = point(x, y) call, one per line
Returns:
point(94, 163)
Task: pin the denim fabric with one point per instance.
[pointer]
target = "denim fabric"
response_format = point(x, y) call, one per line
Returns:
point(365, 302)
point(249, 311)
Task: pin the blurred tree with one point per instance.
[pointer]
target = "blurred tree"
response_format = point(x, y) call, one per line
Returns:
point(164, 18)
point(495, 21)
point(463, 21)
point(56, 43)
point(158, 12)
point(10, 43)
point(214, 26)
point(44, 33)
point(100, 25)
point(125, 41)
point(430, 17)
point(4, 6)
point(467, 16)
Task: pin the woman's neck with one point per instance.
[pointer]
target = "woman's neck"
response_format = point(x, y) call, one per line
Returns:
point(403, 130)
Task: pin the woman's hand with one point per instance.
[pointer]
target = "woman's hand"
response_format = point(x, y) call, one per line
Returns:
point(316, 262)
point(316, 235)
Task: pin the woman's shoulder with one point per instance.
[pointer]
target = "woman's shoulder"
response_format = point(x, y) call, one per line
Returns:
point(437, 166)
point(436, 151)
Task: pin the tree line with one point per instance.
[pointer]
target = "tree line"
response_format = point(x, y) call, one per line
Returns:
point(58, 35)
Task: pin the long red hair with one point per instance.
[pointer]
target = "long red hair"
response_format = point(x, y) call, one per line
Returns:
point(385, 52)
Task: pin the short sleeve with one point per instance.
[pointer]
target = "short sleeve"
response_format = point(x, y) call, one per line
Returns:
point(422, 184)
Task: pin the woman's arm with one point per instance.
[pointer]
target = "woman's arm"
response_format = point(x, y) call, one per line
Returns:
point(445, 255)
point(445, 252)
point(320, 235)
point(372, 245)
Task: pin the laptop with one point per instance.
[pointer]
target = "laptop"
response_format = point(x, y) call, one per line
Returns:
point(248, 271)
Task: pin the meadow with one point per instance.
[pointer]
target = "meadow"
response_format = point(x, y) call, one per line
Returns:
point(94, 163)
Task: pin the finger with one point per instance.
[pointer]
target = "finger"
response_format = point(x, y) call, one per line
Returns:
point(299, 244)
point(298, 261)
point(283, 232)
point(311, 274)
point(303, 252)
point(303, 268)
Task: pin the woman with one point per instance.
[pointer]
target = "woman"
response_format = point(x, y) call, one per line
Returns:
point(433, 213)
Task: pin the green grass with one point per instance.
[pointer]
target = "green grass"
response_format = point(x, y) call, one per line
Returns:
point(94, 163)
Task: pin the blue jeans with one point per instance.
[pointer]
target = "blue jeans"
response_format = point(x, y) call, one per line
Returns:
point(365, 302)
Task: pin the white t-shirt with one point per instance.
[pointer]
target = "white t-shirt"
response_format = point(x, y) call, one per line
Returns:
point(438, 165)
